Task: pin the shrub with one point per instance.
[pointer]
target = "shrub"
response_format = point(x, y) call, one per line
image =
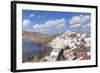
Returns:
point(67, 48)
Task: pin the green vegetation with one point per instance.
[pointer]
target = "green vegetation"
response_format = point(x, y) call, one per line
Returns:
point(67, 48)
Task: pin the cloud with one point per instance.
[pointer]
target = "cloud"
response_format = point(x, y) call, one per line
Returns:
point(51, 26)
point(51, 23)
point(88, 25)
point(39, 16)
point(61, 25)
point(76, 25)
point(81, 20)
point(26, 22)
point(32, 15)
point(75, 20)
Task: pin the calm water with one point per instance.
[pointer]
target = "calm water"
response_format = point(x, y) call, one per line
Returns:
point(30, 48)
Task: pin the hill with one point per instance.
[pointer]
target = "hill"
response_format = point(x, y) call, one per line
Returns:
point(36, 36)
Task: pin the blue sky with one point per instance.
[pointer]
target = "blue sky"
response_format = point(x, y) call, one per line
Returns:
point(51, 22)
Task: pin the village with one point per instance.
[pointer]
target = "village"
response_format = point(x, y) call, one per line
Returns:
point(70, 46)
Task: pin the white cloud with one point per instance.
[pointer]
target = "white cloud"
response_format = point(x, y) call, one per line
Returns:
point(85, 19)
point(39, 16)
point(51, 23)
point(88, 25)
point(80, 20)
point(75, 20)
point(32, 15)
point(61, 25)
point(26, 22)
point(76, 25)
point(36, 26)
point(51, 26)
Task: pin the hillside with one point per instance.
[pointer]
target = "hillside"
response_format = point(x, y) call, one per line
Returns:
point(38, 37)
point(71, 46)
point(64, 46)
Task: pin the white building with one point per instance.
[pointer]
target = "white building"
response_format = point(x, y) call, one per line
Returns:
point(66, 40)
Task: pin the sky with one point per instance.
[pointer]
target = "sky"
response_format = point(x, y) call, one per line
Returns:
point(52, 22)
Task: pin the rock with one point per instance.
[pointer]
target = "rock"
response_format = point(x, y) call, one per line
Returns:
point(69, 54)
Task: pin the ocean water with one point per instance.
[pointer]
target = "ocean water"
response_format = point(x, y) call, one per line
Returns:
point(31, 48)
